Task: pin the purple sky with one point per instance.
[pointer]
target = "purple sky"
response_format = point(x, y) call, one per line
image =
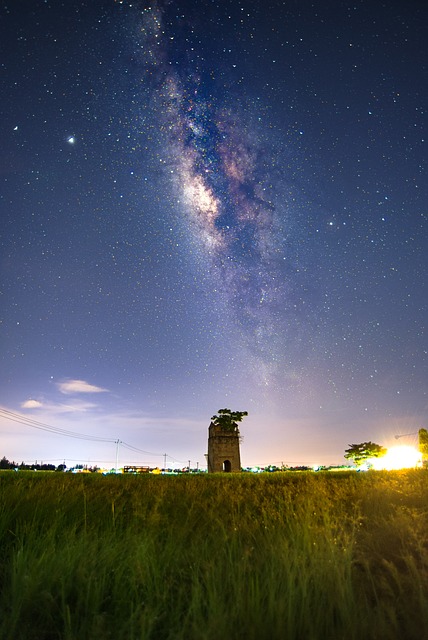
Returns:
point(208, 205)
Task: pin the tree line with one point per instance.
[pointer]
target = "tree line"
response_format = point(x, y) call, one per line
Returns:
point(10, 464)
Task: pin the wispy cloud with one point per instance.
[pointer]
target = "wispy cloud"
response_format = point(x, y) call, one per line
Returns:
point(69, 387)
point(31, 404)
point(75, 406)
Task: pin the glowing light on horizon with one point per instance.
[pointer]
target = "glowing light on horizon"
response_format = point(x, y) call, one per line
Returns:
point(400, 457)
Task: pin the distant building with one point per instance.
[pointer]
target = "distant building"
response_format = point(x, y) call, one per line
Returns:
point(136, 469)
point(223, 450)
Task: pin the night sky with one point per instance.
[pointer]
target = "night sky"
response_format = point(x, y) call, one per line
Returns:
point(207, 205)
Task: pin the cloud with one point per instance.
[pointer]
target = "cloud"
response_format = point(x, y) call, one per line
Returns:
point(31, 404)
point(52, 409)
point(75, 406)
point(78, 386)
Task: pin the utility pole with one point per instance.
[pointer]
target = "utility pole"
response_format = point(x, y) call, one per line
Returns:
point(423, 445)
point(117, 454)
point(164, 462)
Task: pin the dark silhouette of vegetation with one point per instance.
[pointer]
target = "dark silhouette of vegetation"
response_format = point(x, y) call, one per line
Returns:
point(361, 452)
point(228, 420)
point(423, 444)
point(7, 464)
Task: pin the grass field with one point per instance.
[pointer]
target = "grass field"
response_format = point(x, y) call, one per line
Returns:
point(290, 556)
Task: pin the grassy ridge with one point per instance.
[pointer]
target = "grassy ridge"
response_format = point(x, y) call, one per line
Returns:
point(280, 556)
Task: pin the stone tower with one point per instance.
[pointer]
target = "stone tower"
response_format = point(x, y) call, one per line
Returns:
point(223, 450)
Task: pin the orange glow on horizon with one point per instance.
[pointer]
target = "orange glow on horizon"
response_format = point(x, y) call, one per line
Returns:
point(399, 457)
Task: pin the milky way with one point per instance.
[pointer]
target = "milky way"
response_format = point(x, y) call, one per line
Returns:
point(225, 173)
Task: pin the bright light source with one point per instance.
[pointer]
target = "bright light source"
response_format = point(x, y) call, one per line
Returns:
point(401, 457)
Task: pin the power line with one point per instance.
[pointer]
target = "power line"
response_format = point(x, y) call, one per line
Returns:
point(42, 426)
point(132, 448)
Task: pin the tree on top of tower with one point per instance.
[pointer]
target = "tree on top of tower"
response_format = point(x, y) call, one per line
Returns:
point(228, 420)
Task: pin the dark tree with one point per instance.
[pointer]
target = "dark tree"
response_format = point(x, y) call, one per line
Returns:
point(360, 452)
point(228, 420)
point(4, 463)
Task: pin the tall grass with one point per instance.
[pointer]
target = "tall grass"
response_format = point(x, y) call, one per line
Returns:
point(281, 556)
